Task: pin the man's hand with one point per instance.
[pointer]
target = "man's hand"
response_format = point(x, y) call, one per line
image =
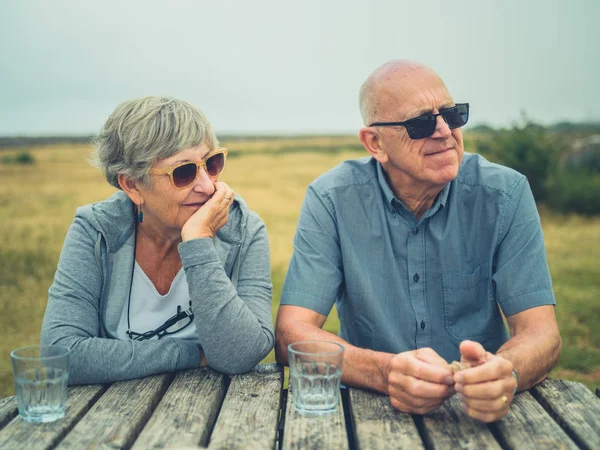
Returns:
point(419, 381)
point(485, 389)
point(211, 216)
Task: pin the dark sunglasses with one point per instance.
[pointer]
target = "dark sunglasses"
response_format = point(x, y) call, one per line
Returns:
point(424, 126)
point(171, 326)
point(184, 174)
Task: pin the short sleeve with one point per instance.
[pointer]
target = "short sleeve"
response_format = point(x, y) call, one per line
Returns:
point(520, 273)
point(315, 273)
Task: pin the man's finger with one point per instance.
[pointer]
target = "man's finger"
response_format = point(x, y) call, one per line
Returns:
point(496, 368)
point(409, 404)
point(430, 356)
point(411, 365)
point(485, 391)
point(485, 416)
point(487, 405)
point(472, 351)
point(402, 385)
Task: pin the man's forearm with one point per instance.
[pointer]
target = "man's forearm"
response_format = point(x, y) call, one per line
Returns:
point(532, 356)
point(362, 368)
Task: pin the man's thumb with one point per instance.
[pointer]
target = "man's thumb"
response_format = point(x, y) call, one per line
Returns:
point(472, 351)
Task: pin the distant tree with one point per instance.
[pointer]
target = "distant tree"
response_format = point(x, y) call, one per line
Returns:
point(527, 148)
point(481, 128)
point(575, 127)
point(584, 155)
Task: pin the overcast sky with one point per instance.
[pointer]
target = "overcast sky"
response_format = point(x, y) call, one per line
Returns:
point(275, 66)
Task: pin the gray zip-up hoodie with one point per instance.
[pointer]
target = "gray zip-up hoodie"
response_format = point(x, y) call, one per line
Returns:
point(229, 283)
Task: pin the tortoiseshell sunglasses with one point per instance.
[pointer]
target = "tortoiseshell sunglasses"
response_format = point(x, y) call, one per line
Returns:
point(184, 174)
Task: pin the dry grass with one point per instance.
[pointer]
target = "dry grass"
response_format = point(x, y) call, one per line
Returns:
point(37, 204)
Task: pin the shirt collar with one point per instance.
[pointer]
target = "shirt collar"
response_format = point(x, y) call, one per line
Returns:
point(440, 201)
point(385, 187)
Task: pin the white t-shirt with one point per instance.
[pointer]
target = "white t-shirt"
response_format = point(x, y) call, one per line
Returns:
point(149, 310)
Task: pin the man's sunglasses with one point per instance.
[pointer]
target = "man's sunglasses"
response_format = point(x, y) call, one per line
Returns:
point(184, 174)
point(424, 126)
point(171, 326)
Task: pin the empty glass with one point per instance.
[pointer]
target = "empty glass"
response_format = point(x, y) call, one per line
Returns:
point(315, 373)
point(41, 374)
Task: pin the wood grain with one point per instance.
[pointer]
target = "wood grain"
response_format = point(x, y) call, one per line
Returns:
point(8, 409)
point(19, 434)
point(528, 425)
point(450, 427)
point(186, 414)
point(377, 425)
point(250, 413)
point(574, 407)
point(201, 406)
point(117, 418)
point(308, 433)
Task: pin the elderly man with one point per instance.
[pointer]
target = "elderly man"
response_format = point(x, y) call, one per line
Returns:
point(423, 248)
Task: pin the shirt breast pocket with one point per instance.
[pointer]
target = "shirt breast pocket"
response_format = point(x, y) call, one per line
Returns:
point(467, 304)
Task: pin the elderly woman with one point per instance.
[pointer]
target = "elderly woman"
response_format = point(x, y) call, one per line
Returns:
point(172, 271)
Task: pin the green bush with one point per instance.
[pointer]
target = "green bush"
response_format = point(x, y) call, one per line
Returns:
point(19, 158)
point(585, 155)
point(527, 148)
point(574, 191)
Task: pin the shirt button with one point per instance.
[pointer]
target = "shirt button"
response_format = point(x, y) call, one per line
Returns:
point(422, 324)
point(416, 278)
point(415, 231)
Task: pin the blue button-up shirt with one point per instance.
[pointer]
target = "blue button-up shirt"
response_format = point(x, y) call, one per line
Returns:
point(400, 283)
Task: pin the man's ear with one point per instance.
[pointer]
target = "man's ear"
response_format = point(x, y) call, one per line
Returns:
point(130, 188)
point(372, 142)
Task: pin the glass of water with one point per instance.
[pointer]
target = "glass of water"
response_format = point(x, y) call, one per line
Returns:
point(315, 373)
point(41, 374)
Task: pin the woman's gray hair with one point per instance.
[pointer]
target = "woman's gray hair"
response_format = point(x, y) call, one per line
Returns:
point(142, 131)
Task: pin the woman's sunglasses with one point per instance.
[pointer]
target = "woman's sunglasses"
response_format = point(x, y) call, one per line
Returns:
point(424, 126)
point(184, 174)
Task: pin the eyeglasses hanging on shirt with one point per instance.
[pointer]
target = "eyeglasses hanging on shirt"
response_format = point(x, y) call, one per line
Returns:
point(176, 323)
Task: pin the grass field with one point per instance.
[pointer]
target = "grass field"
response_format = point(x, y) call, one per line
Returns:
point(38, 201)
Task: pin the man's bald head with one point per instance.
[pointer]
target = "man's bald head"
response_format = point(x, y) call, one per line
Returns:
point(399, 70)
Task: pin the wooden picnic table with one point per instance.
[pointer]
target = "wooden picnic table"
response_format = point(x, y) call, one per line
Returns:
point(202, 408)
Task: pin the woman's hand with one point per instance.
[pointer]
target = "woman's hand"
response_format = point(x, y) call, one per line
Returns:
point(211, 216)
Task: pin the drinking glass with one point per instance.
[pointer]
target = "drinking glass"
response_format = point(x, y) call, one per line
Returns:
point(315, 373)
point(41, 374)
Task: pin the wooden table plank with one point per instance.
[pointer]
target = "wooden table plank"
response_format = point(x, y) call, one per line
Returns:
point(8, 409)
point(116, 419)
point(528, 426)
point(19, 434)
point(574, 407)
point(377, 425)
point(187, 412)
point(306, 433)
point(250, 413)
point(450, 427)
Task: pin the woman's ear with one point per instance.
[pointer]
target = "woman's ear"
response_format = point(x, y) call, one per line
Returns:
point(372, 142)
point(130, 188)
